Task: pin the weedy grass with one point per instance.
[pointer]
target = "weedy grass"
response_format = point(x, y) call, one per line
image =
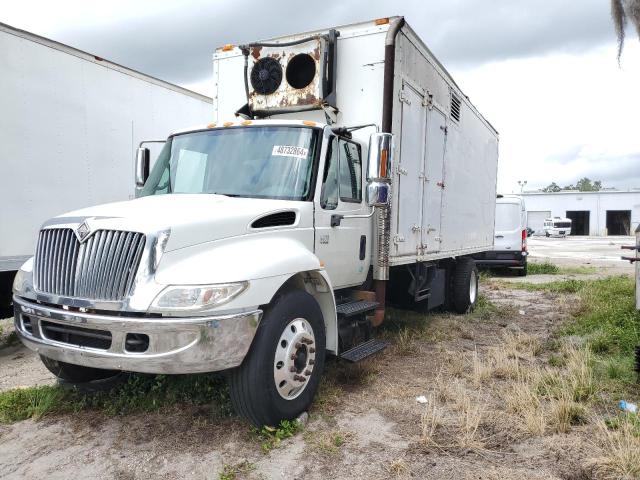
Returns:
point(272, 437)
point(544, 268)
point(231, 472)
point(607, 318)
point(548, 268)
point(139, 393)
point(619, 444)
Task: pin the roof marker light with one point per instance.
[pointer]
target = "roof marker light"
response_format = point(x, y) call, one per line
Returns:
point(227, 47)
point(211, 125)
point(309, 123)
point(381, 21)
point(227, 124)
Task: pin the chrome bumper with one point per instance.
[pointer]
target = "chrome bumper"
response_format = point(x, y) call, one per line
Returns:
point(175, 345)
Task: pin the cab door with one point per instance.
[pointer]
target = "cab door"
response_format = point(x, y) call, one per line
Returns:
point(342, 229)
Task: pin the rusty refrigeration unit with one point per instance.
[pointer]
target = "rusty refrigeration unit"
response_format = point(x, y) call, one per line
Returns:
point(290, 77)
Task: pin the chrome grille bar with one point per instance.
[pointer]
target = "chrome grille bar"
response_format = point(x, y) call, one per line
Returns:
point(103, 267)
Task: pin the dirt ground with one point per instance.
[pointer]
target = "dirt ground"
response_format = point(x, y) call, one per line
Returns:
point(367, 422)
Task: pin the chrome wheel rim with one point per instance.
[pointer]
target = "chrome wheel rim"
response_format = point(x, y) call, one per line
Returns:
point(473, 288)
point(294, 359)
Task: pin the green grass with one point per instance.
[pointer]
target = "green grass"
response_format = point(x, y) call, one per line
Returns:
point(271, 437)
point(607, 318)
point(231, 472)
point(545, 268)
point(548, 268)
point(140, 393)
point(557, 286)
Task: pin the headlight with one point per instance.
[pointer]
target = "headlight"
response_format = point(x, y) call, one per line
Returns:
point(23, 277)
point(197, 297)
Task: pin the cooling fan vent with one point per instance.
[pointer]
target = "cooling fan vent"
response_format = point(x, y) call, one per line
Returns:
point(266, 76)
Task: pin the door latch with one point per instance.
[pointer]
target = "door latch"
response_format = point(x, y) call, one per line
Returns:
point(403, 98)
point(416, 228)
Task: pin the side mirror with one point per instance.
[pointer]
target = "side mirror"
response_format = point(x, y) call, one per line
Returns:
point(142, 166)
point(379, 169)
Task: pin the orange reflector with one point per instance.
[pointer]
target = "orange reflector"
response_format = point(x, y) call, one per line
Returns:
point(228, 46)
point(321, 264)
point(383, 163)
point(309, 123)
point(227, 124)
point(211, 125)
point(381, 21)
point(247, 122)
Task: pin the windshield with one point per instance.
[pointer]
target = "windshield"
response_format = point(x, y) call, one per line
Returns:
point(260, 162)
point(561, 224)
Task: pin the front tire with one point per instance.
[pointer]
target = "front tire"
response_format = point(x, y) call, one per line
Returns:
point(279, 377)
point(464, 285)
point(76, 374)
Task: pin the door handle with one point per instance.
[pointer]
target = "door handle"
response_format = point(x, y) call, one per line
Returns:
point(363, 246)
point(499, 236)
point(336, 220)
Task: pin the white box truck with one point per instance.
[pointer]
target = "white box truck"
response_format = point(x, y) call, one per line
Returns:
point(344, 170)
point(70, 125)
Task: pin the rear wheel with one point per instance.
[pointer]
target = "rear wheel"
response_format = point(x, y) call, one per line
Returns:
point(464, 285)
point(280, 375)
point(522, 272)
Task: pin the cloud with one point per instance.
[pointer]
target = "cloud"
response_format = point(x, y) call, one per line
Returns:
point(175, 40)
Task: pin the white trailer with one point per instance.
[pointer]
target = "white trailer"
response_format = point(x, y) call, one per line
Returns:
point(69, 127)
point(339, 162)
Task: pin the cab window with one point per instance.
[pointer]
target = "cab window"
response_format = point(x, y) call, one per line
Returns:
point(342, 174)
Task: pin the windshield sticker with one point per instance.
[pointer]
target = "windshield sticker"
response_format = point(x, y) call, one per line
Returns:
point(289, 151)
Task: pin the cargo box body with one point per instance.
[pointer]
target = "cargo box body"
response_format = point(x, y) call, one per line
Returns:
point(70, 125)
point(445, 155)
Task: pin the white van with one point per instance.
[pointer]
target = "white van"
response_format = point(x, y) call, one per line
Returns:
point(510, 242)
point(557, 226)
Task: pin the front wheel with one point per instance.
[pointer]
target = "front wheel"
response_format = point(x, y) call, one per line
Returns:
point(280, 375)
point(464, 285)
point(78, 375)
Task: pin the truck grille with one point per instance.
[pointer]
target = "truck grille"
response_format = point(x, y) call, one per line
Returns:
point(102, 268)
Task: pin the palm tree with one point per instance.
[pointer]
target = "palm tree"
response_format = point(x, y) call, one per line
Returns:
point(623, 11)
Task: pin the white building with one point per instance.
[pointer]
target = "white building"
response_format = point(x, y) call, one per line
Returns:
point(608, 212)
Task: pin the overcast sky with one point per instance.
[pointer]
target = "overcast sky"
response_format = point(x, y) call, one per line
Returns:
point(544, 72)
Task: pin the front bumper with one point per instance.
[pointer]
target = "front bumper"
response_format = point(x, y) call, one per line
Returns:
point(175, 345)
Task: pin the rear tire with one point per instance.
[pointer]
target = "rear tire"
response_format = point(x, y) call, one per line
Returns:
point(77, 374)
point(289, 343)
point(464, 285)
point(522, 272)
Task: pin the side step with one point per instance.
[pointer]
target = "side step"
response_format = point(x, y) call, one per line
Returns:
point(364, 350)
point(356, 307)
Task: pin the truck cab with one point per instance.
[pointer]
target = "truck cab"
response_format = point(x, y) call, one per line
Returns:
point(241, 231)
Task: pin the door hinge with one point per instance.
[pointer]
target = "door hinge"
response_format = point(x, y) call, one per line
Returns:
point(416, 228)
point(427, 100)
point(401, 171)
point(403, 98)
point(445, 129)
point(398, 239)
